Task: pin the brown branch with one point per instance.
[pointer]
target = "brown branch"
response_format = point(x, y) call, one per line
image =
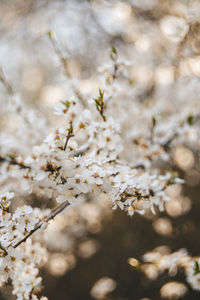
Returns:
point(51, 216)
point(5, 83)
point(12, 161)
point(66, 142)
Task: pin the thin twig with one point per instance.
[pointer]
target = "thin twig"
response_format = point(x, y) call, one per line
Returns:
point(64, 62)
point(6, 83)
point(167, 144)
point(66, 142)
point(14, 162)
point(52, 215)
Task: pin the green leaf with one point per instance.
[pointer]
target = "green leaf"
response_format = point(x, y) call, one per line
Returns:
point(70, 129)
point(196, 267)
point(66, 103)
point(113, 53)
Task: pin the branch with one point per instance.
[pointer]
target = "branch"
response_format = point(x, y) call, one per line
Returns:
point(64, 62)
point(167, 144)
point(5, 83)
point(52, 215)
point(12, 161)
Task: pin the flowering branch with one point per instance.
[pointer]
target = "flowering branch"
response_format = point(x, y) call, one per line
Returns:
point(12, 161)
point(51, 216)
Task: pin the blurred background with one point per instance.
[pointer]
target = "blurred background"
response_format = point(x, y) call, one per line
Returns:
point(161, 39)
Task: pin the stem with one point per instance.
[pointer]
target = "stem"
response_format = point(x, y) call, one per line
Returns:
point(14, 162)
point(64, 62)
point(5, 82)
point(66, 142)
point(51, 216)
point(70, 134)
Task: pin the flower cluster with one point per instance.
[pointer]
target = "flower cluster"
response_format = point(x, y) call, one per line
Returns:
point(160, 259)
point(80, 159)
point(118, 139)
point(19, 265)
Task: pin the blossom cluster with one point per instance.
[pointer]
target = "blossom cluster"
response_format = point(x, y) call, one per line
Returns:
point(117, 141)
point(79, 159)
point(155, 262)
point(19, 265)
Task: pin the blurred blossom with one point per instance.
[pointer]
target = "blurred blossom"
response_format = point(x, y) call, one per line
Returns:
point(38, 25)
point(174, 28)
point(123, 11)
point(150, 271)
point(163, 226)
point(59, 223)
point(59, 264)
point(88, 248)
point(174, 190)
point(164, 75)
point(102, 287)
point(52, 94)
point(179, 206)
point(144, 75)
point(162, 250)
point(195, 65)
point(142, 43)
point(32, 79)
point(173, 290)
point(184, 158)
